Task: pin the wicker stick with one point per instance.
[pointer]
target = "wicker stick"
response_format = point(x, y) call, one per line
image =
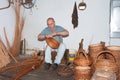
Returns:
point(28, 69)
point(4, 57)
point(8, 44)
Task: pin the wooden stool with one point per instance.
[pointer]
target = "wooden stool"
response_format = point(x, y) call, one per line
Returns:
point(64, 59)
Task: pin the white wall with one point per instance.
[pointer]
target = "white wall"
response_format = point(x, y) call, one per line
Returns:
point(7, 20)
point(93, 22)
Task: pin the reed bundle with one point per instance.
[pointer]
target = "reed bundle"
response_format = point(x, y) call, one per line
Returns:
point(15, 48)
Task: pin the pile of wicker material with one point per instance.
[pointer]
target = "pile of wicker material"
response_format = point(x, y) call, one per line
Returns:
point(23, 67)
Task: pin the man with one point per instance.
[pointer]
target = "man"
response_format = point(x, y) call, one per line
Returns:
point(57, 32)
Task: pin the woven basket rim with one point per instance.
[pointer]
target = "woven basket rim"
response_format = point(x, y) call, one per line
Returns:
point(82, 67)
point(113, 48)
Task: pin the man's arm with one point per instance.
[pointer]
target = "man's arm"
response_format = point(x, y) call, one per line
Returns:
point(63, 33)
point(41, 37)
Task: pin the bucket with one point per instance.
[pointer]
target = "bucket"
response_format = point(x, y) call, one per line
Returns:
point(72, 54)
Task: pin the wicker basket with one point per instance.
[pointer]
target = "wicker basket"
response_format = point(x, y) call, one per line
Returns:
point(105, 64)
point(82, 73)
point(94, 49)
point(52, 43)
point(82, 59)
point(103, 75)
point(116, 52)
point(65, 70)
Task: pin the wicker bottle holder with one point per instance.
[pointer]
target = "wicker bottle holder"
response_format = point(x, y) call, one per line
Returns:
point(82, 59)
point(105, 64)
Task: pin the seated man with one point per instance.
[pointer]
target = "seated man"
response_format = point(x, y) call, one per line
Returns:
point(57, 32)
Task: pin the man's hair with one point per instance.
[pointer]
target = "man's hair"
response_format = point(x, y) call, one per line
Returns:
point(50, 18)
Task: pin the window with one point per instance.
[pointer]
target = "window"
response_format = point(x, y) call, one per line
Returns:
point(115, 18)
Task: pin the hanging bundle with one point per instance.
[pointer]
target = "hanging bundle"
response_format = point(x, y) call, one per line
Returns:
point(75, 16)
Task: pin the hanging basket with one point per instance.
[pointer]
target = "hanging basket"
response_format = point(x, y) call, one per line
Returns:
point(82, 59)
point(105, 64)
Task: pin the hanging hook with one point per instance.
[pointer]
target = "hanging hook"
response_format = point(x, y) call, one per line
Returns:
point(9, 1)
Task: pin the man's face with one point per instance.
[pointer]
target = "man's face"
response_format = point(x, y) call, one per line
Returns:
point(51, 23)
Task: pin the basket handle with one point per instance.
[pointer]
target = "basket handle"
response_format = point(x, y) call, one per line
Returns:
point(106, 51)
point(81, 50)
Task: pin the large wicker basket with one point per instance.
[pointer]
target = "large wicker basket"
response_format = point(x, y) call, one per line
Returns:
point(105, 63)
point(116, 52)
point(94, 49)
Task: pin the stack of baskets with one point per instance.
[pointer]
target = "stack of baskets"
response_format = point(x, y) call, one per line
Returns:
point(94, 49)
point(82, 70)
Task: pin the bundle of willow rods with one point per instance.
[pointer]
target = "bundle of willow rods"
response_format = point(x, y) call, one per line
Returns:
point(4, 57)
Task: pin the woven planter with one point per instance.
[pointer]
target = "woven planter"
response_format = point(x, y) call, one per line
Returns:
point(105, 64)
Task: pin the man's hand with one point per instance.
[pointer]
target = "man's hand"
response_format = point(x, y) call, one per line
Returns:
point(51, 35)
